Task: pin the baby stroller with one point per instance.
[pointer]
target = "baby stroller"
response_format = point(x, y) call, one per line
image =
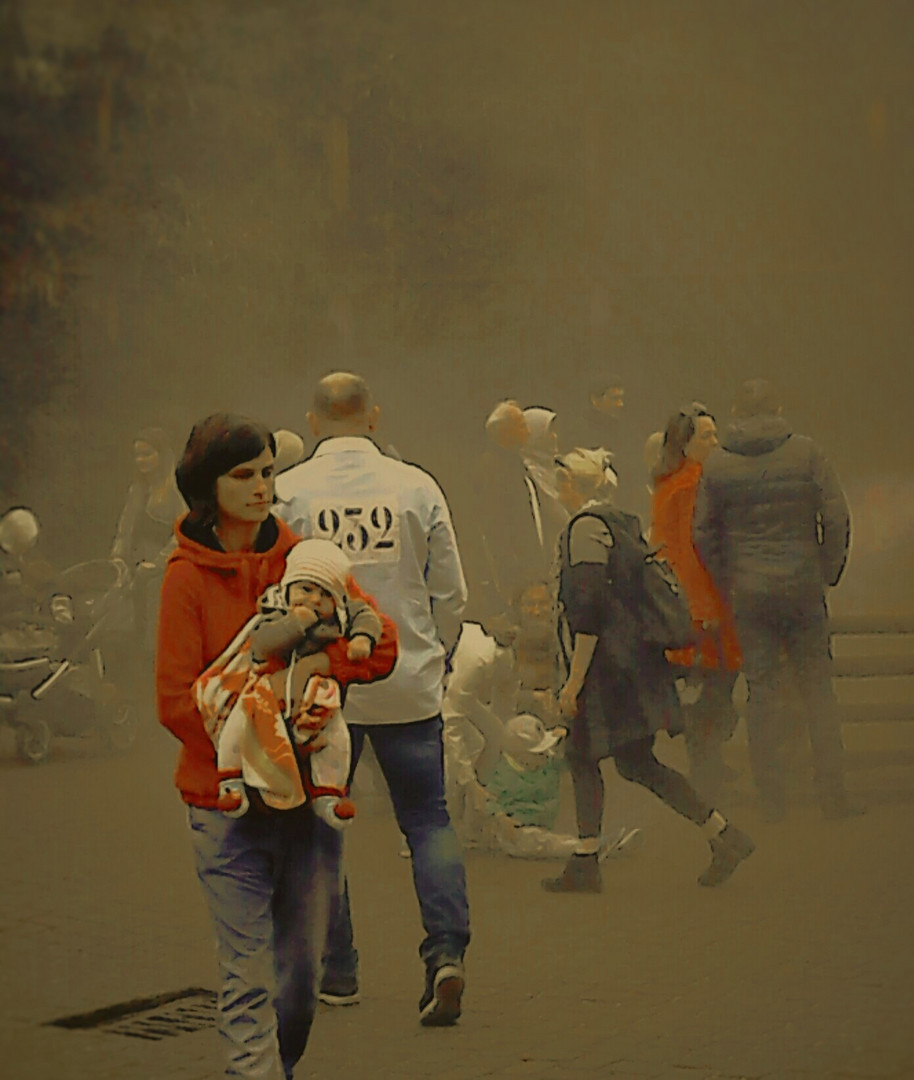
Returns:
point(53, 675)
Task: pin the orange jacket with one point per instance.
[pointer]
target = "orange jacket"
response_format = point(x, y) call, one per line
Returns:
point(671, 533)
point(207, 596)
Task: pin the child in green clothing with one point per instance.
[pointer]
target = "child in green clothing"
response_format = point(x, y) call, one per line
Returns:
point(518, 779)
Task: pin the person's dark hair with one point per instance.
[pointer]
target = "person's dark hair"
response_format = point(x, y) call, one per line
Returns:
point(215, 446)
point(679, 431)
point(756, 397)
point(159, 439)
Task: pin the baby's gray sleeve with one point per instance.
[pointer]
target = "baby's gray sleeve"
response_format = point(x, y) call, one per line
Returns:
point(363, 619)
point(275, 636)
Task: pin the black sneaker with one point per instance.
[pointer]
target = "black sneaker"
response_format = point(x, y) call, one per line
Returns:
point(728, 849)
point(581, 874)
point(440, 1004)
point(339, 991)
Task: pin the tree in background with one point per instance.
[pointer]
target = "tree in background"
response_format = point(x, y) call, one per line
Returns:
point(60, 111)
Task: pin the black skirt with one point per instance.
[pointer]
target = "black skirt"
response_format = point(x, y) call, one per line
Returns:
point(622, 705)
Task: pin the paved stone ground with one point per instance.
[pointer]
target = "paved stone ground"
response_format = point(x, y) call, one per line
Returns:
point(800, 967)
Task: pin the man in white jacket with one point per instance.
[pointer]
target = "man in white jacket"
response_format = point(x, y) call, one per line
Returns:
point(392, 520)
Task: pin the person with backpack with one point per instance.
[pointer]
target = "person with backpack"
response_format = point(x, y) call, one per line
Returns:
point(618, 613)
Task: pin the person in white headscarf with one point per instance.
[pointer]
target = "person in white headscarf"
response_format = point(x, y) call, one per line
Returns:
point(538, 455)
point(504, 543)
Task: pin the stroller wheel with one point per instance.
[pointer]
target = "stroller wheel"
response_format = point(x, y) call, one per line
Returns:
point(119, 728)
point(33, 740)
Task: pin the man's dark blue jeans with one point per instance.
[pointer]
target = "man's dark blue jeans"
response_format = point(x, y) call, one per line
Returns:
point(411, 758)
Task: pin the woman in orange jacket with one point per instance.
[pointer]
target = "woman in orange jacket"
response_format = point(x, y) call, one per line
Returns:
point(268, 876)
point(689, 438)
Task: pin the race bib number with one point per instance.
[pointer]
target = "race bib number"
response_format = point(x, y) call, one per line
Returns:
point(368, 532)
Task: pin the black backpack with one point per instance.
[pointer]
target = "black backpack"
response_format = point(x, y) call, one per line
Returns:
point(646, 586)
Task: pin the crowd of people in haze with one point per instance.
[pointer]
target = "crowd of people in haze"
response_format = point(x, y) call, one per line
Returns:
point(301, 608)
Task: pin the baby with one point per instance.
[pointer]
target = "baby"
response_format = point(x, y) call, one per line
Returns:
point(279, 664)
point(311, 607)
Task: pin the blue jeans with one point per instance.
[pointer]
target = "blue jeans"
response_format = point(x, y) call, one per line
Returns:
point(411, 758)
point(269, 881)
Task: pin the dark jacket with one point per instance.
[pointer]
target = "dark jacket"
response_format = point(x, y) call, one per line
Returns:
point(501, 550)
point(771, 518)
point(628, 693)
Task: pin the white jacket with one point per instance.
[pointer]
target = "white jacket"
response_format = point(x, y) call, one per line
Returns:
point(392, 520)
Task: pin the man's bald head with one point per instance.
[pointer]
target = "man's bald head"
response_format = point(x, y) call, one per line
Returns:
point(342, 405)
point(506, 425)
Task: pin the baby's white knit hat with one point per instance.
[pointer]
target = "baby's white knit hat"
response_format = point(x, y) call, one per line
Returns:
point(322, 562)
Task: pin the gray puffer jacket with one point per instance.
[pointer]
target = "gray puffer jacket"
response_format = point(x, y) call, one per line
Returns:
point(770, 516)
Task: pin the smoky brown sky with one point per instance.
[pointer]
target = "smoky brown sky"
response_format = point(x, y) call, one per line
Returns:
point(466, 201)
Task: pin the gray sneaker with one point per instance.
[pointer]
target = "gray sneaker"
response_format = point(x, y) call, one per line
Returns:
point(728, 850)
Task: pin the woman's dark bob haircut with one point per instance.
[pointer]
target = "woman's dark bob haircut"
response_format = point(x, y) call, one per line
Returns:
point(676, 437)
point(216, 445)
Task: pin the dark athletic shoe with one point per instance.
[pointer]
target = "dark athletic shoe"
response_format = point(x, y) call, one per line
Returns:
point(728, 850)
point(440, 1004)
point(339, 992)
point(581, 874)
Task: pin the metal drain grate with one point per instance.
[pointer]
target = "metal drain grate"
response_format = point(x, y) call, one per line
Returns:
point(159, 1017)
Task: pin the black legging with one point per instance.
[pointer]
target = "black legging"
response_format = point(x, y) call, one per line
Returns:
point(635, 762)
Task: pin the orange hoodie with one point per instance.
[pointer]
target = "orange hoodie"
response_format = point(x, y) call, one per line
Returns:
point(207, 596)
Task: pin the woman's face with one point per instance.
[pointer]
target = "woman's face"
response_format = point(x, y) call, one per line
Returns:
point(573, 491)
point(146, 457)
point(703, 441)
point(245, 494)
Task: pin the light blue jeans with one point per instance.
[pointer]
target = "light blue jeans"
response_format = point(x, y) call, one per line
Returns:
point(269, 881)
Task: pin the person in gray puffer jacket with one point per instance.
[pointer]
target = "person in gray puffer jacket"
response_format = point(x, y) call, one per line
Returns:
point(773, 528)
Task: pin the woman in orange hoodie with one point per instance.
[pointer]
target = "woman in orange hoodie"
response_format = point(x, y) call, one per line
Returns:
point(689, 438)
point(268, 877)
